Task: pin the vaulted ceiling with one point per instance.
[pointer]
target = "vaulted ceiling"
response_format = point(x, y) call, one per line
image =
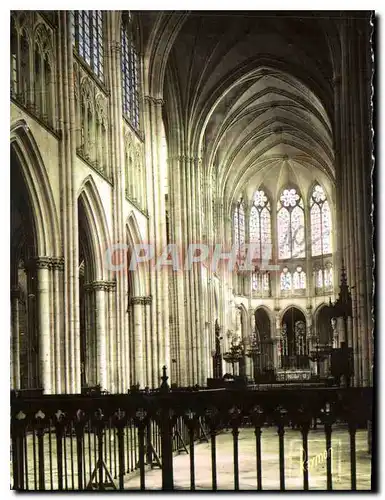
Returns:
point(253, 92)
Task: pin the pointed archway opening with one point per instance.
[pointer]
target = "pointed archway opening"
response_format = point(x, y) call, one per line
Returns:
point(264, 344)
point(294, 349)
point(88, 341)
point(25, 336)
point(324, 329)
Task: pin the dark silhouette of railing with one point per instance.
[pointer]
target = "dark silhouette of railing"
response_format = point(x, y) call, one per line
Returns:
point(74, 442)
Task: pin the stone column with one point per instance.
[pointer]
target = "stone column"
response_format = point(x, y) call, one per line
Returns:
point(68, 205)
point(277, 350)
point(15, 338)
point(101, 287)
point(148, 341)
point(43, 265)
point(157, 229)
point(57, 317)
point(112, 358)
point(137, 304)
point(180, 307)
point(117, 157)
point(353, 144)
point(90, 354)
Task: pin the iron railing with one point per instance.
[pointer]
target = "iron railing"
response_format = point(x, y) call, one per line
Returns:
point(74, 442)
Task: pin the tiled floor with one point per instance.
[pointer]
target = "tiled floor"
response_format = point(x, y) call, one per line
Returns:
point(270, 464)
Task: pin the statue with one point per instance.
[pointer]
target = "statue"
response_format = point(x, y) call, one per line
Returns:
point(333, 322)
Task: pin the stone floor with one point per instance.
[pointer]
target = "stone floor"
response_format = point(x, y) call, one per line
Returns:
point(270, 462)
point(247, 466)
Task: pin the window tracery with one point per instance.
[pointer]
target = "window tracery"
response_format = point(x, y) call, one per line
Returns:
point(239, 226)
point(88, 38)
point(135, 174)
point(261, 282)
point(323, 277)
point(260, 225)
point(286, 280)
point(91, 112)
point(299, 279)
point(130, 70)
point(32, 65)
point(291, 225)
point(320, 222)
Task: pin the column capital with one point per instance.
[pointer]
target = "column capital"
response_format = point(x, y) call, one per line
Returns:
point(101, 285)
point(138, 301)
point(115, 46)
point(98, 285)
point(57, 263)
point(157, 101)
point(43, 262)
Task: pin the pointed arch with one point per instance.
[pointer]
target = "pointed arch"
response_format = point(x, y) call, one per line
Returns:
point(137, 281)
point(90, 200)
point(323, 323)
point(38, 186)
point(294, 333)
point(267, 311)
point(320, 220)
point(292, 306)
point(131, 67)
point(158, 47)
point(291, 223)
point(260, 223)
point(239, 224)
point(263, 323)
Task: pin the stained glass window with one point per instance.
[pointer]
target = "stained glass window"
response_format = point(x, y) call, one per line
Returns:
point(266, 282)
point(239, 226)
point(254, 281)
point(320, 222)
point(286, 281)
point(88, 38)
point(299, 279)
point(328, 275)
point(130, 71)
point(324, 276)
point(14, 59)
point(255, 230)
point(291, 225)
point(260, 226)
point(261, 281)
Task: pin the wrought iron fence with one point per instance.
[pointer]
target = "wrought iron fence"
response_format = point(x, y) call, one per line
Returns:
point(73, 442)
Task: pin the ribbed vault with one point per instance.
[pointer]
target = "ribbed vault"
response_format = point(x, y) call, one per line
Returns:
point(236, 93)
point(272, 130)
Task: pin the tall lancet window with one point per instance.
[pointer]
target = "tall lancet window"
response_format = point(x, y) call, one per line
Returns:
point(88, 38)
point(260, 226)
point(299, 279)
point(239, 225)
point(291, 225)
point(130, 70)
point(320, 223)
